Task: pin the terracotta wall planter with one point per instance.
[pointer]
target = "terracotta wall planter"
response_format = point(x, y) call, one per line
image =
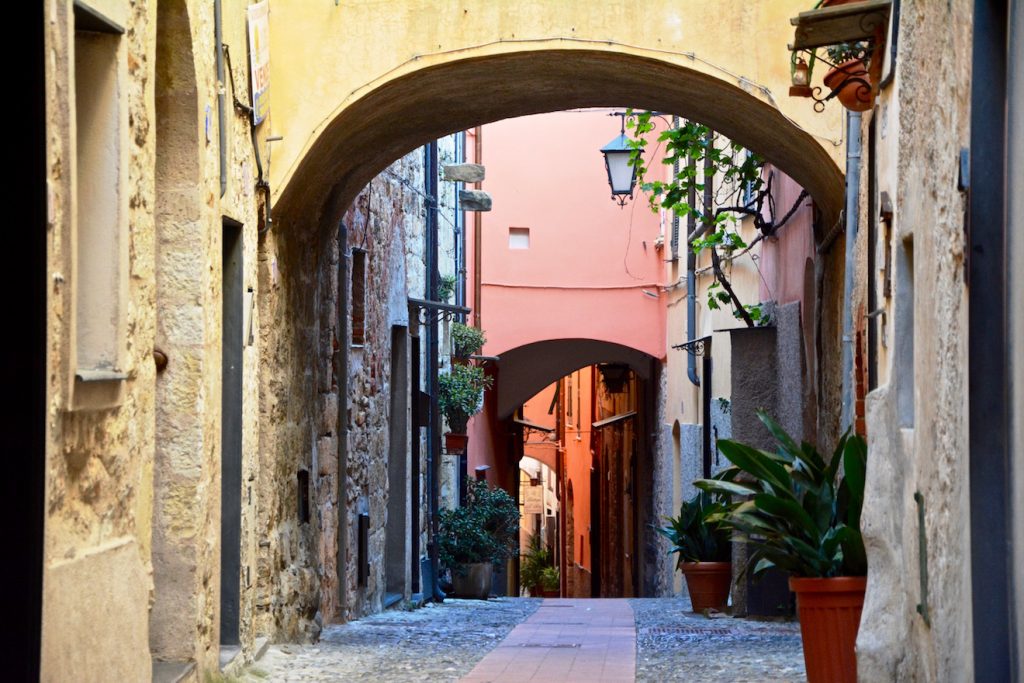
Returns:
point(455, 443)
point(829, 612)
point(858, 95)
point(708, 584)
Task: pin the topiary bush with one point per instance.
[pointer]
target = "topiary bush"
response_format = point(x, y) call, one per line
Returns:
point(466, 340)
point(485, 529)
point(460, 395)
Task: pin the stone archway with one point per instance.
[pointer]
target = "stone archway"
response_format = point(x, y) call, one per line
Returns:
point(369, 133)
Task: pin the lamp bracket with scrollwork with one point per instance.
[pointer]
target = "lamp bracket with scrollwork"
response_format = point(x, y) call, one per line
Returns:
point(423, 310)
point(695, 347)
point(864, 22)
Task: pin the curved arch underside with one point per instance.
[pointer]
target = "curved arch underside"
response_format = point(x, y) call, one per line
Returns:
point(410, 110)
point(525, 370)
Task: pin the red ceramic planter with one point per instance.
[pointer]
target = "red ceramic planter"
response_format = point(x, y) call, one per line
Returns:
point(708, 584)
point(856, 95)
point(829, 612)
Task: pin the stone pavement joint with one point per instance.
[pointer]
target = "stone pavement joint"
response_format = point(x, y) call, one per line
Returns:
point(584, 640)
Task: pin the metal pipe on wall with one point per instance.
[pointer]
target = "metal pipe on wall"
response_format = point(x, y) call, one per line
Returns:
point(853, 152)
point(478, 155)
point(218, 30)
point(691, 284)
point(341, 374)
point(433, 349)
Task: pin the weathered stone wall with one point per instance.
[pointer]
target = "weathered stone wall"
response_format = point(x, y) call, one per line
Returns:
point(98, 485)
point(922, 122)
point(133, 464)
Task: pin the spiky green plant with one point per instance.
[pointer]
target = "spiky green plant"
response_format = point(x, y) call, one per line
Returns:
point(694, 537)
point(797, 511)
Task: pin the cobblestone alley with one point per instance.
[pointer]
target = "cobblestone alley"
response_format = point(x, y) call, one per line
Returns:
point(523, 639)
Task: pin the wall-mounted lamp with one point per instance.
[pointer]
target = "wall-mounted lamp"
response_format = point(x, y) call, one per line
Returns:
point(621, 176)
point(800, 74)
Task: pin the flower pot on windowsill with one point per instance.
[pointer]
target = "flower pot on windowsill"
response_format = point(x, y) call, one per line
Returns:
point(708, 584)
point(455, 443)
point(857, 94)
point(829, 612)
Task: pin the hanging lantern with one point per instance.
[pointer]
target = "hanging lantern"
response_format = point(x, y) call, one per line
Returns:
point(621, 176)
point(800, 74)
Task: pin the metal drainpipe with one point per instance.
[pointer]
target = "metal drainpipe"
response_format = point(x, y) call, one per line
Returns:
point(341, 373)
point(478, 156)
point(691, 286)
point(218, 30)
point(433, 346)
point(852, 214)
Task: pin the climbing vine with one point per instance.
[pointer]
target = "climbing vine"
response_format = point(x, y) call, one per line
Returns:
point(717, 182)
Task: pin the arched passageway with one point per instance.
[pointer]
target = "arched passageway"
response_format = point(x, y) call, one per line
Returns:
point(585, 409)
point(336, 145)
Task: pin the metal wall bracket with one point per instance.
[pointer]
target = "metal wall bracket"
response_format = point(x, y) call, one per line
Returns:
point(695, 347)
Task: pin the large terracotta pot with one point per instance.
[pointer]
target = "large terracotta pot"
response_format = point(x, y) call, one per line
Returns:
point(708, 584)
point(455, 443)
point(829, 612)
point(473, 580)
point(857, 95)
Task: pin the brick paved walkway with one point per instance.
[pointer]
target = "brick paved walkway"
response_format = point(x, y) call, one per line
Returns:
point(566, 640)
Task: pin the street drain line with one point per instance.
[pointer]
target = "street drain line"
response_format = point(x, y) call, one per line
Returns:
point(683, 630)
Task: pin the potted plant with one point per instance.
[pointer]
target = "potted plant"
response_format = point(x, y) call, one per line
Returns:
point(533, 564)
point(446, 287)
point(850, 75)
point(460, 396)
point(801, 513)
point(475, 537)
point(550, 582)
point(466, 341)
point(705, 553)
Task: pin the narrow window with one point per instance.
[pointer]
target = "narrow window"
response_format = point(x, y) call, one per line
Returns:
point(303, 482)
point(904, 333)
point(100, 245)
point(358, 297)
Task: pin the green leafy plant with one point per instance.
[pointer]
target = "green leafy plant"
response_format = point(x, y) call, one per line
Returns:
point(844, 52)
point(692, 533)
point(485, 529)
point(446, 287)
point(550, 580)
point(714, 181)
point(460, 394)
point(799, 512)
point(533, 564)
point(466, 340)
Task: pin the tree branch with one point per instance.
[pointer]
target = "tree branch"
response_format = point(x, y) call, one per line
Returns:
point(716, 263)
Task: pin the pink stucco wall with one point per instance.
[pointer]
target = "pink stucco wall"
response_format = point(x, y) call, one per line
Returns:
point(588, 261)
point(784, 256)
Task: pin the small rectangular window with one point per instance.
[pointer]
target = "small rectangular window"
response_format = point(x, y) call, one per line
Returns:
point(518, 238)
point(358, 297)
